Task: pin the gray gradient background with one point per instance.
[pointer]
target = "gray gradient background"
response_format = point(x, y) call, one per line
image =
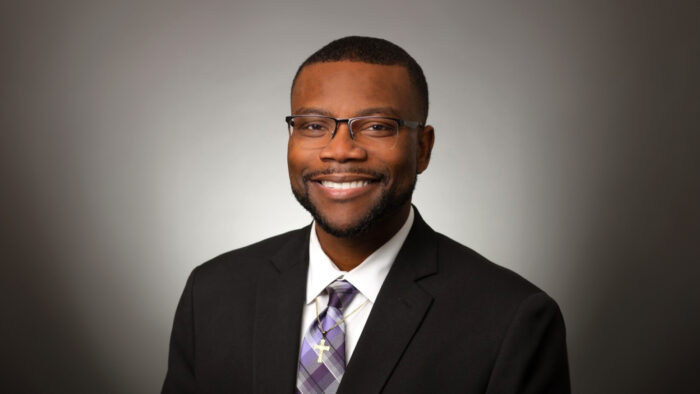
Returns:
point(140, 140)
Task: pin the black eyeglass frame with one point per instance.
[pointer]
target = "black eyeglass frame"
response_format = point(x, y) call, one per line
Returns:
point(412, 124)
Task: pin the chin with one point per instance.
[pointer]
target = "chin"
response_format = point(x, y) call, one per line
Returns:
point(344, 230)
point(349, 223)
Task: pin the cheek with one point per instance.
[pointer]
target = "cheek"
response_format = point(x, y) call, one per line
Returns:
point(297, 161)
point(292, 162)
point(402, 161)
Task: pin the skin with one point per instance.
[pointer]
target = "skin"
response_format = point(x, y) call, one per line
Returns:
point(347, 89)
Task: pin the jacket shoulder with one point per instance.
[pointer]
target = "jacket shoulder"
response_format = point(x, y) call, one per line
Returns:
point(247, 258)
point(467, 268)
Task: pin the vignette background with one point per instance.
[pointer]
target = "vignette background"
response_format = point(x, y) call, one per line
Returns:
point(140, 139)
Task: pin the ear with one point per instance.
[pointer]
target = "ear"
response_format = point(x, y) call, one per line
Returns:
point(426, 138)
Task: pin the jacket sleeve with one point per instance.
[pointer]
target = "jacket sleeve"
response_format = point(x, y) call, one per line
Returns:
point(180, 377)
point(532, 357)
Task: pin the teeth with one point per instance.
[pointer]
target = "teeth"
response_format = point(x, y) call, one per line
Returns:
point(344, 185)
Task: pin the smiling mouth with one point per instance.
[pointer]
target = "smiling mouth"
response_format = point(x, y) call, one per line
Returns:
point(344, 185)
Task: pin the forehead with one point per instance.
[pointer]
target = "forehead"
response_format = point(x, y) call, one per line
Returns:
point(345, 87)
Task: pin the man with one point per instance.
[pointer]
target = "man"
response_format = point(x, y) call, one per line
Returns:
point(368, 298)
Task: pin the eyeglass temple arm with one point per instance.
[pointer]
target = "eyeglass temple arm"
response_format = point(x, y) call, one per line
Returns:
point(410, 123)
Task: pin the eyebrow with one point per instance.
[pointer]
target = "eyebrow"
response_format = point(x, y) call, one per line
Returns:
point(312, 111)
point(380, 111)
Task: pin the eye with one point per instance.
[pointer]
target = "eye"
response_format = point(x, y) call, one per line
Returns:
point(376, 127)
point(311, 127)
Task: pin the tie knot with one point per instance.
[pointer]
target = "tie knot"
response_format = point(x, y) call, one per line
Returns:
point(340, 294)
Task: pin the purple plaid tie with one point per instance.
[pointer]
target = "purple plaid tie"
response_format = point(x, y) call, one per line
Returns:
point(322, 360)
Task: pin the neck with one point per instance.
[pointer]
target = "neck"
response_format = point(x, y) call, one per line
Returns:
point(348, 253)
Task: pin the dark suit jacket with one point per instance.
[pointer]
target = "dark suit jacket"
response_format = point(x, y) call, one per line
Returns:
point(446, 320)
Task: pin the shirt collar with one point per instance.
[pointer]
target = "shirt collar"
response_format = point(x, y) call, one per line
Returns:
point(367, 277)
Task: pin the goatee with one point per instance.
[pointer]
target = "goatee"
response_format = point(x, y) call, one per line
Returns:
point(385, 207)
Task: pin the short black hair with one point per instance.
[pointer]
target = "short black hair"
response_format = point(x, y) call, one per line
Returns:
point(374, 51)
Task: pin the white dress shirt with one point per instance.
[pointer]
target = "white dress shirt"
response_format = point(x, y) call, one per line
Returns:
point(366, 277)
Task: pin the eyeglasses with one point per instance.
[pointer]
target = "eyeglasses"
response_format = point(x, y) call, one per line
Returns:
point(316, 131)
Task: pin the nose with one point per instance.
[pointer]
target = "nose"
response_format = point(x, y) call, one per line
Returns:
point(342, 147)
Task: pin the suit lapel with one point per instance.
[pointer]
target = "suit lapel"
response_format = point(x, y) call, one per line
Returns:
point(396, 315)
point(279, 302)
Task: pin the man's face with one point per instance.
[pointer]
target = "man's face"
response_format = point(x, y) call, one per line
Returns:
point(349, 188)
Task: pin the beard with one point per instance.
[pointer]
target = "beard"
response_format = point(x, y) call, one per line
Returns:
point(387, 205)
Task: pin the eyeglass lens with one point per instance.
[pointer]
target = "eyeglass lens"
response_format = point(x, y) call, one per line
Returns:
point(369, 132)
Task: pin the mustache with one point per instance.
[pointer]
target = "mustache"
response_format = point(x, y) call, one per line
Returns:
point(349, 170)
